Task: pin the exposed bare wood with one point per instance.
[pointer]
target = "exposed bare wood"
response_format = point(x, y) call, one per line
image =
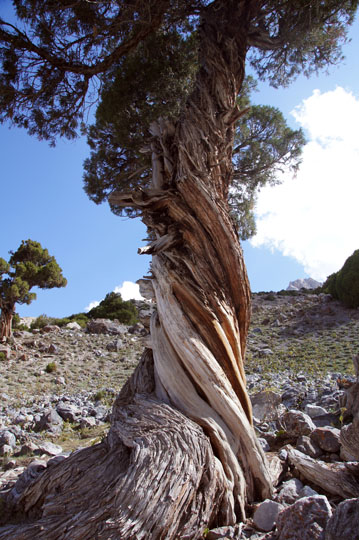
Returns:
point(337, 478)
point(182, 437)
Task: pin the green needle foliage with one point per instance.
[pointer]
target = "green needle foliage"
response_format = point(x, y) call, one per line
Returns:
point(344, 284)
point(138, 61)
point(264, 144)
point(113, 307)
point(30, 266)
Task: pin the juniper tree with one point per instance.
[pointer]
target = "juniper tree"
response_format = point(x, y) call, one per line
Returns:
point(28, 267)
point(181, 454)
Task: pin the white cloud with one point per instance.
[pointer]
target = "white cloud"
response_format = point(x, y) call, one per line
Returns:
point(91, 305)
point(314, 217)
point(129, 291)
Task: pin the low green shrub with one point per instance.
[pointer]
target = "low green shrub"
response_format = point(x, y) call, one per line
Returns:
point(51, 367)
point(344, 284)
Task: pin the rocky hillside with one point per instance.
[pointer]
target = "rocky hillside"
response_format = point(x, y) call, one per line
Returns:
point(57, 386)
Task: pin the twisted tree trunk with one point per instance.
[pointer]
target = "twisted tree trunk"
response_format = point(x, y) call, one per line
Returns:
point(181, 454)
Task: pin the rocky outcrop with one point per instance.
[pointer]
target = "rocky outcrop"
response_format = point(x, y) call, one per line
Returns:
point(306, 283)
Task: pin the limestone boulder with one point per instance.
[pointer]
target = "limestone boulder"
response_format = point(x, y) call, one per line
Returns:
point(306, 519)
point(327, 438)
point(344, 523)
point(297, 423)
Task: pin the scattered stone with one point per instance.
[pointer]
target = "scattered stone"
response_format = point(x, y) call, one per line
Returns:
point(115, 346)
point(8, 438)
point(344, 523)
point(48, 448)
point(50, 328)
point(289, 491)
point(307, 491)
point(306, 519)
point(6, 351)
point(266, 514)
point(227, 531)
point(314, 410)
point(105, 326)
point(50, 421)
point(297, 423)
point(27, 449)
point(309, 447)
point(6, 450)
point(137, 328)
point(88, 422)
point(264, 444)
point(266, 405)
point(68, 411)
point(327, 438)
point(74, 326)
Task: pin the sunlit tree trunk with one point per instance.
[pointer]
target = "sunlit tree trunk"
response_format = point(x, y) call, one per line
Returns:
point(181, 454)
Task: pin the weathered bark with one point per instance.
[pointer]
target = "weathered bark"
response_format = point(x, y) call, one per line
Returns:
point(337, 478)
point(6, 322)
point(182, 453)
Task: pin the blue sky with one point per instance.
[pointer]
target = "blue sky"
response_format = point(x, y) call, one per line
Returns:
point(301, 231)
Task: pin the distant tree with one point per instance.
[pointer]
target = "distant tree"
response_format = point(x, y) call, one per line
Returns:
point(113, 307)
point(30, 266)
point(344, 284)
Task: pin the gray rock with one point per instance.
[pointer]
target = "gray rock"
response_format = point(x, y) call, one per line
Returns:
point(48, 448)
point(28, 448)
point(68, 411)
point(8, 438)
point(87, 422)
point(9, 465)
point(50, 328)
point(53, 349)
point(115, 345)
point(305, 283)
point(315, 410)
point(283, 454)
point(266, 514)
point(307, 446)
point(145, 314)
point(6, 351)
point(146, 288)
point(105, 326)
point(306, 519)
point(324, 420)
point(327, 438)
point(297, 423)
point(289, 491)
point(49, 421)
point(137, 328)
point(290, 397)
point(344, 524)
point(264, 444)
point(6, 450)
point(266, 405)
point(307, 491)
point(226, 531)
point(74, 326)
